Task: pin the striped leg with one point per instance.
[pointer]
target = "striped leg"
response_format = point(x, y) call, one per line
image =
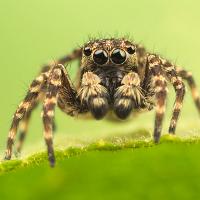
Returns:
point(160, 94)
point(50, 101)
point(191, 82)
point(31, 98)
point(26, 105)
point(74, 55)
point(179, 88)
point(23, 129)
point(23, 126)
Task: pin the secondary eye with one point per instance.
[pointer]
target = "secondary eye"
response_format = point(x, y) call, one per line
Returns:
point(87, 51)
point(131, 49)
point(100, 57)
point(118, 56)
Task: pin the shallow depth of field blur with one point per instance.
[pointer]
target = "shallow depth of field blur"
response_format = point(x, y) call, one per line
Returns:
point(35, 32)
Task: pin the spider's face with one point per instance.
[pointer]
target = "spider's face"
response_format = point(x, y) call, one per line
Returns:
point(109, 52)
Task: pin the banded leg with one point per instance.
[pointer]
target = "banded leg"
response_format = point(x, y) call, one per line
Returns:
point(25, 121)
point(68, 58)
point(94, 95)
point(50, 101)
point(60, 90)
point(23, 109)
point(31, 99)
point(179, 88)
point(128, 95)
point(23, 129)
point(191, 82)
point(160, 94)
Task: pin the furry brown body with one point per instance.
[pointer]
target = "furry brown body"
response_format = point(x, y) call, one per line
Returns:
point(114, 74)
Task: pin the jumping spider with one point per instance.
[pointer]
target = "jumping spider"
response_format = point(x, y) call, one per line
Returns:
point(114, 75)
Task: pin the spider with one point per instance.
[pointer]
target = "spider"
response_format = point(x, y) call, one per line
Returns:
point(115, 75)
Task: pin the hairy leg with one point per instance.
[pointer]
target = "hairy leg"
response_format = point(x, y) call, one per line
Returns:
point(24, 124)
point(50, 101)
point(23, 128)
point(191, 82)
point(60, 90)
point(179, 88)
point(76, 54)
point(23, 109)
point(31, 99)
point(160, 85)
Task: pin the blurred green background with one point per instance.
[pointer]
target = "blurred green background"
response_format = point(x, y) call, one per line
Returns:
point(34, 32)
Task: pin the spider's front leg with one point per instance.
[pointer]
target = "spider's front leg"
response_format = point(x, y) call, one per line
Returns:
point(45, 71)
point(179, 88)
point(24, 110)
point(192, 84)
point(54, 84)
point(160, 85)
point(61, 91)
point(23, 128)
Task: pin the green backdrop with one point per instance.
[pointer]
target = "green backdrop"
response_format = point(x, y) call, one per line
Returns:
point(34, 32)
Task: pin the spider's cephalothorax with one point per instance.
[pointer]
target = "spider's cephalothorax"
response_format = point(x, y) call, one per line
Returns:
point(114, 75)
point(110, 78)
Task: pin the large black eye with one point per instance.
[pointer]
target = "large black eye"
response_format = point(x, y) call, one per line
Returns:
point(131, 50)
point(118, 56)
point(87, 51)
point(100, 57)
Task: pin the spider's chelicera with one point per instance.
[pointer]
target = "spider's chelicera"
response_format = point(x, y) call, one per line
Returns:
point(115, 75)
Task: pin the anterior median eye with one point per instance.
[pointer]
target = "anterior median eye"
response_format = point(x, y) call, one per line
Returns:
point(100, 57)
point(87, 51)
point(118, 56)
